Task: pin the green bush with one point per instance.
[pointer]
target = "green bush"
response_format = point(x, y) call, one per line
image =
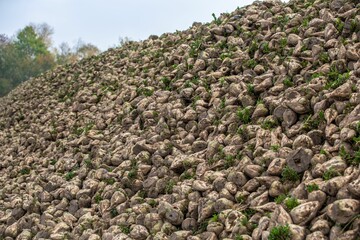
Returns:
point(109, 181)
point(312, 187)
point(269, 124)
point(335, 78)
point(124, 229)
point(113, 212)
point(275, 148)
point(288, 82)
point(97, 198)
point(216, 20)
point(291, 203)
point(70, 175)
point(289, 174)
point(280, 233)
point(24, 171)
point(330, 173)
point(169, 186)
point(244, 115)
point(279, 199)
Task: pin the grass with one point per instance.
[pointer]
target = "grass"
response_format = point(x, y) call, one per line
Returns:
point(217, 21)
point(240, 199)
point(269, 124)
point(350, 159)
point(201, 227)
point(313, 123)
point(53, 161)
point(283, 43)
point(195, 99)
point(339, 24)
point(153, 203)
point(291, 203)
point(330, 173)
point(238, 237)
point(295, 30)
point(98, 198)
point(169, 186)
point(241, 130)
point(88, 163)
point(312, 187)
point(335, 78)
point(214, 218)
point(124, 229)
point(281, 232)
point(344, 154)
point(222, 45)
point(221, 152)
point(80, 130)
point(144, 91)
point(109, 181)
point(324, 57)
point(356, 159)
point(253, 47)
point(113, 212)
point(282, 20)
point(186, 175)
point(251, 63)
point(250, 89)
point(275, 148)
point(309, 3)
point(289, 174)
point(305, 22)
point(141, 194)
point(244, 115)
point(195, 47)
point(244, 221)
point(279, 199)
point(249, 213)
point(166, 83)
point(316, 75)
point(225, 55)
point(323, 152)
point(132, 173)
point(265, 48)
point(222, 81)
point(288, 82)
point(229, 161)
point(70, 175)
point(24, 171)
point(354, 27)
point(223, 103)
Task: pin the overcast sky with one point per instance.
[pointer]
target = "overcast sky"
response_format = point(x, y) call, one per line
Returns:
point(102, 22)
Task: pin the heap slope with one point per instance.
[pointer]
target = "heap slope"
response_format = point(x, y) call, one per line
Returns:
point(247, 127)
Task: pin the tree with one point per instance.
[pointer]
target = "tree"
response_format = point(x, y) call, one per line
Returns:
point(29, 43)
point(4, 39)
point(64, 54)
point(84, 50)
point(123, 41)
point(44, 32)
point(35, 55)
point(5, 86)
point(22, 57)
point(28, 54)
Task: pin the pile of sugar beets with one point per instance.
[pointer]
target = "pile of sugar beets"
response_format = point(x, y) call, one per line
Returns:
point(247, 127)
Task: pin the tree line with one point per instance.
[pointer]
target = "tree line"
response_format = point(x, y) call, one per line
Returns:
point(30, 52)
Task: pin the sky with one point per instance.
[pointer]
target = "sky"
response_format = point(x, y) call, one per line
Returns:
point(103, 22)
